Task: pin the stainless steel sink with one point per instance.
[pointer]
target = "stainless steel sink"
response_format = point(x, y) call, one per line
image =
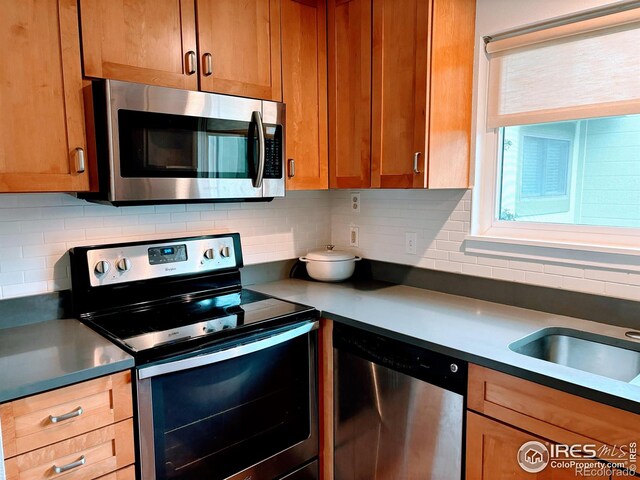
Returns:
point(607, 356)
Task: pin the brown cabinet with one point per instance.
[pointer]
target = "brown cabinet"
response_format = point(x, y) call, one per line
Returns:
point(304, 83)
point(229, 46)
point(146, 41)
point(506, 412)
point(349, 93)
point(84, 429)
point(239, 44)
point(42, 134)
point(420, 67)
point(492, 453)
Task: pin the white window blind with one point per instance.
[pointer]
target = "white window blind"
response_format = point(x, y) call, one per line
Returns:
point(583, 69)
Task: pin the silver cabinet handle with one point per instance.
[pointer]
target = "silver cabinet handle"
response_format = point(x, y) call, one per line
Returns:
point(257, 118)
point(65, 468)
point(191, 62)
point(80, 160)
point(61, 418)
point(292, 167)
point(208, 64)
point(416, 158)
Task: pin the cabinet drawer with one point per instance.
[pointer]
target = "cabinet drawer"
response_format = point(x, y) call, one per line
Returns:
point(128, 473)
point(548, 412)
point(43, 419)
point(104, 450)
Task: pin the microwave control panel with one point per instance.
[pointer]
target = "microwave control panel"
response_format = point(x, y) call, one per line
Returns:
point(273, 156)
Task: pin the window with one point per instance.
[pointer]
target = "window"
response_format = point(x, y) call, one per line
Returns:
point(560, 165)
point(544, 178)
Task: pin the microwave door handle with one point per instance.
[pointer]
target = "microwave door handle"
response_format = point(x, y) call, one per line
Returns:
point(227, 354)
point(256, 117)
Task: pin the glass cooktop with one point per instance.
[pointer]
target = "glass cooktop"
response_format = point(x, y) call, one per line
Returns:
point(192, 323)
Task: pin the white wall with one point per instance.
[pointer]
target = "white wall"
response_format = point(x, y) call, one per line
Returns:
point(441, 220)
point(37, 230)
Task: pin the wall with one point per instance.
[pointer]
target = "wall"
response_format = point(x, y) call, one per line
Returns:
point(37, 230)
point(441, 220)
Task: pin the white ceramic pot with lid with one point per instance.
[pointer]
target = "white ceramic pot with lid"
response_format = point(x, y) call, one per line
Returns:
point(330, 265)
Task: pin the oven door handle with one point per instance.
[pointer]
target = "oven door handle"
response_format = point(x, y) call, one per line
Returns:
point(227, 354)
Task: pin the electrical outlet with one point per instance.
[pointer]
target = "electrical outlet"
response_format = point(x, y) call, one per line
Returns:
point(355, 202)
point(354, 238)
point(411, 239)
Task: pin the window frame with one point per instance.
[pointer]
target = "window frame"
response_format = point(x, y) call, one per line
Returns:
point(584, 245)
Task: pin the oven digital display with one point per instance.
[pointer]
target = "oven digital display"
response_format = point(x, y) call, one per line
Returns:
point(172, 254)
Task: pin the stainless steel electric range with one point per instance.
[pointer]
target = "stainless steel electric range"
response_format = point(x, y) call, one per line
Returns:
point(225, 378)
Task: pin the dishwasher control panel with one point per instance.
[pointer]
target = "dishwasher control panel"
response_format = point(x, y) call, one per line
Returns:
point(433, 367)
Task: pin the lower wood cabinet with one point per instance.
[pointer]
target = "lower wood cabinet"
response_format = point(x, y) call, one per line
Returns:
point(492, 453)
point(506, 412)
point(84, 431)
point(128, 473)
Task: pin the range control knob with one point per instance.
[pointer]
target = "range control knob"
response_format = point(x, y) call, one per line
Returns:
point(124, 264)
point(225, 251)
point(101, 267)
point(209, 254)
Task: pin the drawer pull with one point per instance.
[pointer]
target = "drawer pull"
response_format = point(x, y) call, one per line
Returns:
point(61, 418)
point(65, 468)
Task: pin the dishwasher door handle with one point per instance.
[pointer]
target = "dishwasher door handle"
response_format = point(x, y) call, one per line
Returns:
point(222, 355)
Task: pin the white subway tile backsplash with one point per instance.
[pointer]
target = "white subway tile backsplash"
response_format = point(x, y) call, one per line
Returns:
point(442, 220)
point(528, 266)
point(543, 279)
point(37, 230)
point(21, 264)
point(476, 270)
point(22, 289)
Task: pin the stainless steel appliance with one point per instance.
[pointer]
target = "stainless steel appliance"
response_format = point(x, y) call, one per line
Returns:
point(225, 378)
point(158, 144)
point(399, 409)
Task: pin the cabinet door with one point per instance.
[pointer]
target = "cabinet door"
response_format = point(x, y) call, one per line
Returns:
point(350, 93)
point(451, 82)
point(239, 46)
point(304, 85)
point(400, 54)
point(143, 41)
point(42, 121)
point(492, 453)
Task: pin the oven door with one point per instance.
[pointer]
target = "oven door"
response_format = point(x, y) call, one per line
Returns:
point(247, 411)
point(171, 145)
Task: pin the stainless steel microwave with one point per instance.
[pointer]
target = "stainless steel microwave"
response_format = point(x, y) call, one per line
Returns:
point(158, 144)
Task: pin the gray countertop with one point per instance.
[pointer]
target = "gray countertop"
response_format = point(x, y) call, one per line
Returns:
point(473, 330)
point(52, 354)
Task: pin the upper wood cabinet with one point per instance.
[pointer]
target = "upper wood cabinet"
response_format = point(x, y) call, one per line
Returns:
point(42, 135)
point(413, 82)
point(349, 93)
point(228, 46)
point(400, 46)
point(239, 45)
point(304, 82)
point(144, 41)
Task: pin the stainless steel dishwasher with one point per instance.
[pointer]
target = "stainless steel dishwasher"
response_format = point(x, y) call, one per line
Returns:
point(399, 409)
